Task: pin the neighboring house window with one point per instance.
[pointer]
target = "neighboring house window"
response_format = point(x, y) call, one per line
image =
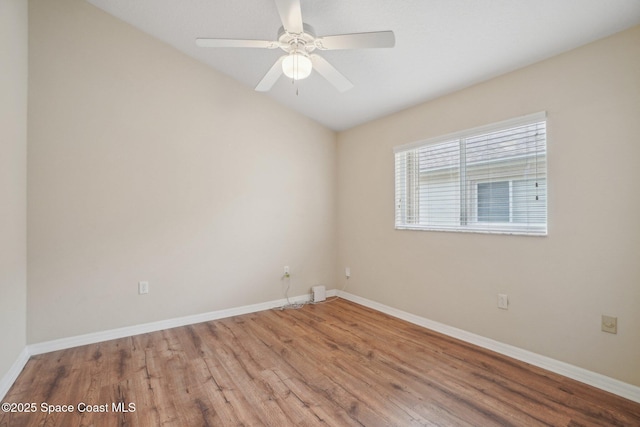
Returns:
point(491, 179)
point(493, 201)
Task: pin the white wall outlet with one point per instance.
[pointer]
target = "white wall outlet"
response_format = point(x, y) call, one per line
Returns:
point(286, 271)
point(347, 272)
point(609, 324)
point(503, 301)
point(143, 288)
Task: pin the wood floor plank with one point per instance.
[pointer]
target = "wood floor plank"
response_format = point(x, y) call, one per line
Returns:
point(333, 364)
point(494, 368)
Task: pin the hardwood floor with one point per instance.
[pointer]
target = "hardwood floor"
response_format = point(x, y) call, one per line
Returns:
point(337, 364)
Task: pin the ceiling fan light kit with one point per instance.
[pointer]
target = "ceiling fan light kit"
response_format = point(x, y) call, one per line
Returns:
point(297, 66)
point(298, 41)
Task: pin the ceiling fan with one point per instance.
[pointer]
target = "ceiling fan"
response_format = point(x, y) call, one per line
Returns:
point(299, 42)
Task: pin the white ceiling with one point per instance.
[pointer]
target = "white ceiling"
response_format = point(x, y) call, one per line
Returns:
point(441, 45)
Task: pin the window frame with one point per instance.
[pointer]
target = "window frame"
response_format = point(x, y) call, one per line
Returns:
point(467, 194)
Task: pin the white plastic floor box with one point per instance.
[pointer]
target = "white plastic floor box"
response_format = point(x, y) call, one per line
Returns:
point(318, 293)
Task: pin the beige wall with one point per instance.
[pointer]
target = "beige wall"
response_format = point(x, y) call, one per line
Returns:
point(558, 285)
point(147, 165)
point(13, 184)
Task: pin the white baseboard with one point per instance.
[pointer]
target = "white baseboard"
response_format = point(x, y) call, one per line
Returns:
point(628, 391)
point(95, 337)
point(10, 377)
point(64, 343)
point(600, 381)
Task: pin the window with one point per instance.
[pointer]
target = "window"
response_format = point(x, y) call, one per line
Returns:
point(493, 201)
point(491, 179)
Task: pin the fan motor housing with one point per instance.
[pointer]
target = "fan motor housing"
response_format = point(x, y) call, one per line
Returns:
point(304, 42)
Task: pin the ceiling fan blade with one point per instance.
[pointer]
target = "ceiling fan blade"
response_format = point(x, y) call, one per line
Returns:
point(327, 71)
point(290, 15)
point(272, 76)
point(376, 39)
point(264, 44)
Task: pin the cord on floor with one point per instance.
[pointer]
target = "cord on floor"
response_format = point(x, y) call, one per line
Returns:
point(297, 305)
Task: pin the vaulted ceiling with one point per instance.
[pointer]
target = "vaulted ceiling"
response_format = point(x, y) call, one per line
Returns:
point(441, 45)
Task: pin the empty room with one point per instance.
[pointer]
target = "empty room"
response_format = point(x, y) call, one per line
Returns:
point(304, 212)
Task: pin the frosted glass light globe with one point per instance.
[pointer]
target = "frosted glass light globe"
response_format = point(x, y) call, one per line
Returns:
point(297, 66)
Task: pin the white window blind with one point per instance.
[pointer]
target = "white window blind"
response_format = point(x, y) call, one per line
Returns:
point(491, 179)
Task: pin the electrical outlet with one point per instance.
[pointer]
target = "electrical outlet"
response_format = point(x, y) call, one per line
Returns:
point(347, 272)
point(286, 271)
point(503, 301)
point(609, 324)
point(143, 288)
